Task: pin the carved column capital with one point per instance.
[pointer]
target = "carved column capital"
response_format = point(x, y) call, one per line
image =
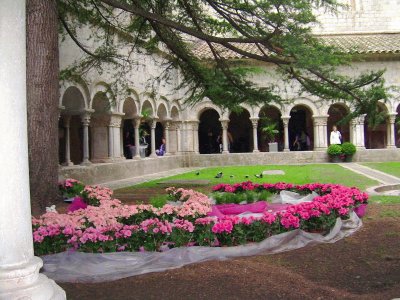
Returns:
point(167, 123)
point(115, 121)
point(224, 124)
point(392, 118)
point(195, 125)
point(154, 123)
point(254, 122)
point(320, 120)
point(177, 125)
point(85, 117)
point(358, 120)
point(285, 120)
point(136, 121)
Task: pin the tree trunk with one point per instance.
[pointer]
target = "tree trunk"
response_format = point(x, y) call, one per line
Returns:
point(42, 101)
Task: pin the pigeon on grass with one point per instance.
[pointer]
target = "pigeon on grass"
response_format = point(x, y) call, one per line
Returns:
point(219, 175)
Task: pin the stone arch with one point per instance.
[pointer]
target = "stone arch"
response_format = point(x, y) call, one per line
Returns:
point(310, 105)
point(258, 109)
point(199, 108)
point(301, 120)
point(148, 108)
point(249, 108)
point(102, 88)
point(70, 124)
point(175, 113)
point(129, 108)
point(73, 101)
point(99, 122)
point(336, 112)
point(162, 112)
point(209, 129)
point(268, 115)
point(376, 137)
point(133, 96)
point(241, 131)
point(83, 90)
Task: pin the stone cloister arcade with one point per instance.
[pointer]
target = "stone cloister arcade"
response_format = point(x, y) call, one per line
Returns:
point(95, 129)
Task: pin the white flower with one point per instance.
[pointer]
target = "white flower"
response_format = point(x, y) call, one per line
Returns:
point(51, 209)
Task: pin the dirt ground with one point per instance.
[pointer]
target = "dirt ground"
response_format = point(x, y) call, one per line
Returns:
point(363, 266)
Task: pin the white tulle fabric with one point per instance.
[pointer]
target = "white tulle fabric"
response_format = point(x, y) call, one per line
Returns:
point(90, 267)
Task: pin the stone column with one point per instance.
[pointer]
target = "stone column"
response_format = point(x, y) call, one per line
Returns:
point(254, 122)
point(391, 132)
point(357, 126)
point(19, 268)
point(178, 137)
point(121, 141)
point(136, 125)
point(85, 123)
point(60, 110)
point(320, 132)
point(285, 120)
point(195, 130)
point(115, 123)
point(110, 140)
point(67, 120)
point(153, 137)
point(224, 125)
point(167, 139)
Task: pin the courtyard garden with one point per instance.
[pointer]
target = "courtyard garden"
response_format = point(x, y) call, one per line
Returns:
point(364, 265)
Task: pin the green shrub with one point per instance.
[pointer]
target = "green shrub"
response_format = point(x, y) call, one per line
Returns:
point(348, 148)
point(335, 150)
point(159, 201)
point(264, 195)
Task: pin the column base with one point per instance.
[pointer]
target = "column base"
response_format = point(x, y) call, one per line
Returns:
point(225, 152)
point(256, 151)
point(286, 150)
point(153, 155)
point(391, 147)
point(86, 163)
point(360, 148)
point(68, 164)
point(25, 282)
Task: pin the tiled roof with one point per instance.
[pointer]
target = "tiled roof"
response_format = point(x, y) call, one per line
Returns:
point(356, 43)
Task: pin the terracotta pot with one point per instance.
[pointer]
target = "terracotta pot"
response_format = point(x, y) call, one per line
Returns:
point(335, 159)
point(348, 158)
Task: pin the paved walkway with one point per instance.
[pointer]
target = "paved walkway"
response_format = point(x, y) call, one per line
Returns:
point(382, 177)
point(117, 184)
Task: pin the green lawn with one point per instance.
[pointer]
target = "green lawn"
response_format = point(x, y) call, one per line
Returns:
point(392, 168)
point(384, 199)
point(299, 174)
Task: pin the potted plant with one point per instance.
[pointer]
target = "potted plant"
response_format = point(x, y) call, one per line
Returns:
point(348, 149)
point(334, 152)
point(269, 131)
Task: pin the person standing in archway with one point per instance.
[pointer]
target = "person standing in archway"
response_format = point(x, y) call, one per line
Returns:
point(336, 137)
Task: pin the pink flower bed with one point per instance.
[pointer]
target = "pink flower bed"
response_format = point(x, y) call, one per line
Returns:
point(112, 226)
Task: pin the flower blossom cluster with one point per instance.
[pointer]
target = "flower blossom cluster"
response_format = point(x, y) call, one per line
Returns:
point(194, 204)
point(113, 226)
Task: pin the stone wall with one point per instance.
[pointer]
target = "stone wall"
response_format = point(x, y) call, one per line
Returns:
point(106, 172)
point(362, 16)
